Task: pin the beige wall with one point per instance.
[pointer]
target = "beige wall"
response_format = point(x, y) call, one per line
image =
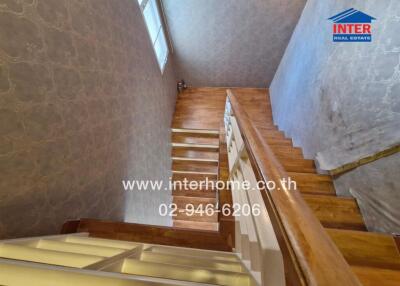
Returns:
point(83, 105)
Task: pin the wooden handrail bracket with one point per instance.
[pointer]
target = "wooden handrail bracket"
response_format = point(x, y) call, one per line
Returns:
point(310, 256)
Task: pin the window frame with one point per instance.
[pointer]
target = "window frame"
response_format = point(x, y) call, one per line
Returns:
point(142, 6)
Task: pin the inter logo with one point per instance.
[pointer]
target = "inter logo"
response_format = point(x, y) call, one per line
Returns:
point(352, 26)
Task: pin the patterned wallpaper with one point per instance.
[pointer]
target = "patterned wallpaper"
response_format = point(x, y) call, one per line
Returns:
point(230, 43)
point(83, 105)
point(342, 101)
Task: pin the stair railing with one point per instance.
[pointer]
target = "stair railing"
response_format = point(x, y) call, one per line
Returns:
point(309, 255)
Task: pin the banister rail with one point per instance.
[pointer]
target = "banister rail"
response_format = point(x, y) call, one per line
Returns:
point(310, 256)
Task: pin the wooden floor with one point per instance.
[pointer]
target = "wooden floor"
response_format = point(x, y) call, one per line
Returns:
point(203, 108)
point(200, 108)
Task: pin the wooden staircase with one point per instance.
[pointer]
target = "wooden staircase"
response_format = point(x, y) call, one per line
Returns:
point(317, 190)
point(347, 249)
point(195, 154)
point(373, 257)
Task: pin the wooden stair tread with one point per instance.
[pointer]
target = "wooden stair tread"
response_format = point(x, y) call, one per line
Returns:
point(336, 212)
point(367, 248)
point(196, 147)
point(191, 122)
point(309, 183)
point(184, 224)
point(272, 133)
point(197, 154)
point(194, 139)
point(182, 214)
point(195, 193)
point(297, 161)
point(204, 161)
point(298, 165)
point(196, 132)
point(370, 276)
point(197, 166)
point(267, 126)
point(306, 177)
point(278, 141)
point(196, 201)
point(287, 151)
point(316, 188)
point(193, 177)
point(204, 188)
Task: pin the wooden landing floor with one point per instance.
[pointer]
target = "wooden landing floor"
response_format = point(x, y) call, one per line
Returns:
point(203, 108)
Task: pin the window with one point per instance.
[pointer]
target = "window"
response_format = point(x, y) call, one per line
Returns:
point(156, 32)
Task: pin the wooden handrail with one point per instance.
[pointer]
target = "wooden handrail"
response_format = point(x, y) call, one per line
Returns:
point(310, 256)
point(365, 160)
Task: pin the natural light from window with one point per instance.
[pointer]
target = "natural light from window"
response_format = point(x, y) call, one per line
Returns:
point(152, 18)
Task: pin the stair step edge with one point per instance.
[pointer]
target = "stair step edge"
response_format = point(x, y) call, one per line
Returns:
point(194, 173)
point(199, 131)
point(195, 159)
point(195, 145)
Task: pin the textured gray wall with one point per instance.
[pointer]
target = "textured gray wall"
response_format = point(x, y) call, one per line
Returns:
point(230, 43)
point(83, 105)
point(341, 101)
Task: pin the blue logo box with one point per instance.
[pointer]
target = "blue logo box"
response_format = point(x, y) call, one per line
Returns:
point(352, 38)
